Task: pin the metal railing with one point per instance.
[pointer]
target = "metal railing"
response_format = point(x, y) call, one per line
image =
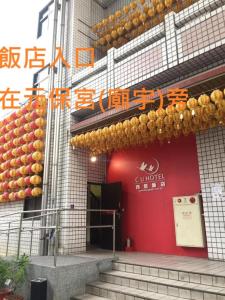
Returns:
point(21, 224)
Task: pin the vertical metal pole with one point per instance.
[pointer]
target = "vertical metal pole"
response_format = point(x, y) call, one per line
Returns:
point(19, 235)
point(56, 238)
point(114, 233)
point(7, 246)
point(31, 237)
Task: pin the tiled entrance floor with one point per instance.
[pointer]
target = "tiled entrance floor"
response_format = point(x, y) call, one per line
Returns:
point(181, 263)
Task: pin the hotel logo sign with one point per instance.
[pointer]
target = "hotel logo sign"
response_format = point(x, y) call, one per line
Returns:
point(152, 179)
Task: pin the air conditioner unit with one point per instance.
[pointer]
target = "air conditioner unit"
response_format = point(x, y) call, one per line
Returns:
point(189, 222)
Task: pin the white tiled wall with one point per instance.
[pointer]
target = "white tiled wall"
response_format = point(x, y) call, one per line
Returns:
point(211, 158)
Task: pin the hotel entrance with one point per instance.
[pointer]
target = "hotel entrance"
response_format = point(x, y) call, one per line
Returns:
point(101, 196)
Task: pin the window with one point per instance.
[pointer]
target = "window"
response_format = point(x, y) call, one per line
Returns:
point(43, 20)
point(32, 204)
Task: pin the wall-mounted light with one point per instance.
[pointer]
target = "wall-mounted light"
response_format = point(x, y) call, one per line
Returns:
point(93, 159)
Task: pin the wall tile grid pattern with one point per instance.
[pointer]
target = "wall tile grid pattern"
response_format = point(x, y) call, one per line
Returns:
point(211, 157)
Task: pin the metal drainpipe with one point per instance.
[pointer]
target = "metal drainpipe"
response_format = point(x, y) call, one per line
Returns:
point(57, 122)
point(48, 130)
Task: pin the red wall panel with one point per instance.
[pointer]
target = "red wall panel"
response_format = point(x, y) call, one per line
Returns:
point(148, 217)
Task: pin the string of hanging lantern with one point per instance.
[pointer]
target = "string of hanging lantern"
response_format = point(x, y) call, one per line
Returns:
point(185, 118)
point(21, 153)
point(133, 20)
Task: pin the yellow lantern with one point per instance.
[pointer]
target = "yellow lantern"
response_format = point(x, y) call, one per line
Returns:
point(25, 148)
point(210, 109)
point(118, 14)
point(12, 197)
point(203, 100)
point(168, 3)
point(35, 180)
point(21, 182)
point(133, 5)
point(152, 115)
point(134, 121)
point(23, 170)
point(216, 96)
point(108, 38)
point(126, 124)
point(170, 110)
point(21, 194)
point(151, 12)
point(151, 124)
point(37, 168)
point(160, 7)
point(192, 103)
point(126, 9)
point(37, 156)
point(120, 31)
point(160, 112)
point(143, 17)
point(38, 145)
point(128, 26)
point(143, 119)
point(159, 122)
point(168, 120)
point(181, 106)
point(39, 133)
point(114, 34)
point(136, 22)
point(36, 192)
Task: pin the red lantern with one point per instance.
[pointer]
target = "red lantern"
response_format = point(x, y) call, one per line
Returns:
point(2, 149)
point(31, 147)
point(20, 151)
point(33, 125)
point(30, 158)
point(34, 115)
point(18, 161)
point(27, 180)
point(14, 116)
point(5, 196)
point(2, 140)
point(18, 173)
point(11, 134)
point(28, 169)
point(22, 130)
point(5, 186)
point(31, 136)
point(28, 192)
point(7, 164)
point(21, 141)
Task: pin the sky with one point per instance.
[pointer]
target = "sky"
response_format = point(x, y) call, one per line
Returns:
point(18, 28)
